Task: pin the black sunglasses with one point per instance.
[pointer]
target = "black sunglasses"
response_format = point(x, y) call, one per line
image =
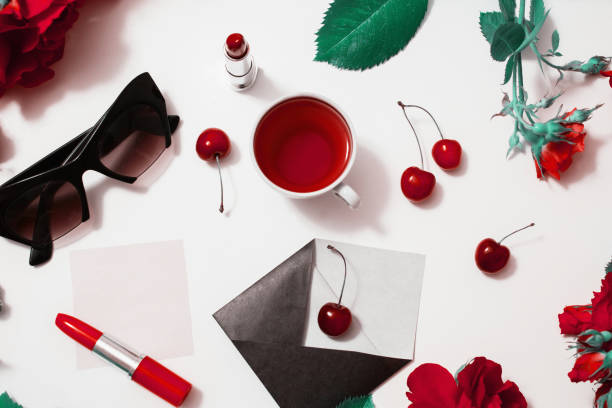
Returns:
point(48, 200)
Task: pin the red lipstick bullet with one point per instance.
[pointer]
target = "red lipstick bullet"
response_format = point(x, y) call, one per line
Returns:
point(143, 370)
point(239, 63)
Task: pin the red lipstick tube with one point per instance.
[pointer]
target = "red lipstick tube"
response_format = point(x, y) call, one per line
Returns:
point(239, 63)
point(143, 370)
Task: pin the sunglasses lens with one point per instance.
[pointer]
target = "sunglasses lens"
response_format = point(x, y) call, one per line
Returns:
point(133, 141)
point(45, 212)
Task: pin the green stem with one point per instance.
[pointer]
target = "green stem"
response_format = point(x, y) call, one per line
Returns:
point(522, 12)
point(543, 59)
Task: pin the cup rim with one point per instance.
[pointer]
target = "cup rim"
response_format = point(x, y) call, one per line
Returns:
point(338, 180)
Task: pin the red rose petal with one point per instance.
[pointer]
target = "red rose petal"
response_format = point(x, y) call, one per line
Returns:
point(431, 386)
point(30, 8)
point(575, 319)
point(33, 78)
point(511, 396)
point(5, 58)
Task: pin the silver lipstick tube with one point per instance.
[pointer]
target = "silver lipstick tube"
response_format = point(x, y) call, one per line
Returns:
point(241, 72)
point(117, 354)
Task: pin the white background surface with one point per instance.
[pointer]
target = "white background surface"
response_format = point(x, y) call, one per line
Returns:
point(511, 319)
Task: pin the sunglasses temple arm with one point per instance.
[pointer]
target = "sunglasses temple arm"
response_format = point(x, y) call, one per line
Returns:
point(173, 121)
point(42, 230)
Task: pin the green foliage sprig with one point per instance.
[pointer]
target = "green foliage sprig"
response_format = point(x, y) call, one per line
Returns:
point(510, 32)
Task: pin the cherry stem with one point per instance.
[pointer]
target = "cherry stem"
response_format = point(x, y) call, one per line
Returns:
point(415, 133)
point(426, 111)
point(518, 230)
point(333, 249)
point(220, 181)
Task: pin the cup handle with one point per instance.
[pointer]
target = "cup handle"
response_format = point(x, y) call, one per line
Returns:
point(346, 193)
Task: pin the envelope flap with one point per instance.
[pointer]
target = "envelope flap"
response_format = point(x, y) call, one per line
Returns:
point(307, 377)
point(275, 308)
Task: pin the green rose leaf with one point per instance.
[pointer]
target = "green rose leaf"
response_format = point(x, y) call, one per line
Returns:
point(537, 11)
point(509, 70)
point(508, 8)
point(555, 41)
point(360, 34)
point(609, 267)
point(489, 23)
point(3, 3)
point(506, 40)
point(7, 402)
point(357, 402)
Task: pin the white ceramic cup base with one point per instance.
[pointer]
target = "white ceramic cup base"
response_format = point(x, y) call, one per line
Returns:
point(338, 187)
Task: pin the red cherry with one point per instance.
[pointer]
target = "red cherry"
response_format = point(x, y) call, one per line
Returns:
point(334, 319)
point(417, 184)
point(213, 144)
point(447, 153)
point(235, 46)
point(491, 256)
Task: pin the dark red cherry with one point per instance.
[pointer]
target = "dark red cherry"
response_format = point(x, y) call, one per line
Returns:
point(334, 319)
point(235, 46)
point(447, 153)
point(417, 184)
point(211, 143)
point(491, 256)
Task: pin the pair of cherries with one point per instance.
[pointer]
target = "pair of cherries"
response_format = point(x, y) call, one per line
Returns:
point(417, 183)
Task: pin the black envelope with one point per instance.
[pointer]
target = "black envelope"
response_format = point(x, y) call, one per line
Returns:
point(298, 364)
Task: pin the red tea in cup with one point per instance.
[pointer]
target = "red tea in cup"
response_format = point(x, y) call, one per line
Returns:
point(302, 144)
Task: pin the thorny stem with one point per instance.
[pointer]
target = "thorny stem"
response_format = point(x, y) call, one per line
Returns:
point(518, 230)
point(426, 111)
point(221, 209)
point(333, 249)
point(415, 133)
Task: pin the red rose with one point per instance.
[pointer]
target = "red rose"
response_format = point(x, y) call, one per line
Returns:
point(601, 319)
point(607, 74)
point(32, 38)
point(575, 319)
point(557, 156)
point(586, 367)
point(478, 385)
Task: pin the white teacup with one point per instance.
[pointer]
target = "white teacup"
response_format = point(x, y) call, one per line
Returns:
point(303, 146)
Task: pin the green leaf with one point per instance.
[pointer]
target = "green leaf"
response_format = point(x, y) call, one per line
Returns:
point(508, 8)
point(536, 12)
point(360, 34)
point(506, 40)
point(357, 402)
point(555, 41)
point(489, 23)
point(509, 70)
point(7, 402)
point(609, 267)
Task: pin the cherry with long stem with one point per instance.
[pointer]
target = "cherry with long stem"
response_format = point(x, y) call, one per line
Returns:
point(335, 319)
point(417, 183)
point(491, 256)
point(213, 144)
